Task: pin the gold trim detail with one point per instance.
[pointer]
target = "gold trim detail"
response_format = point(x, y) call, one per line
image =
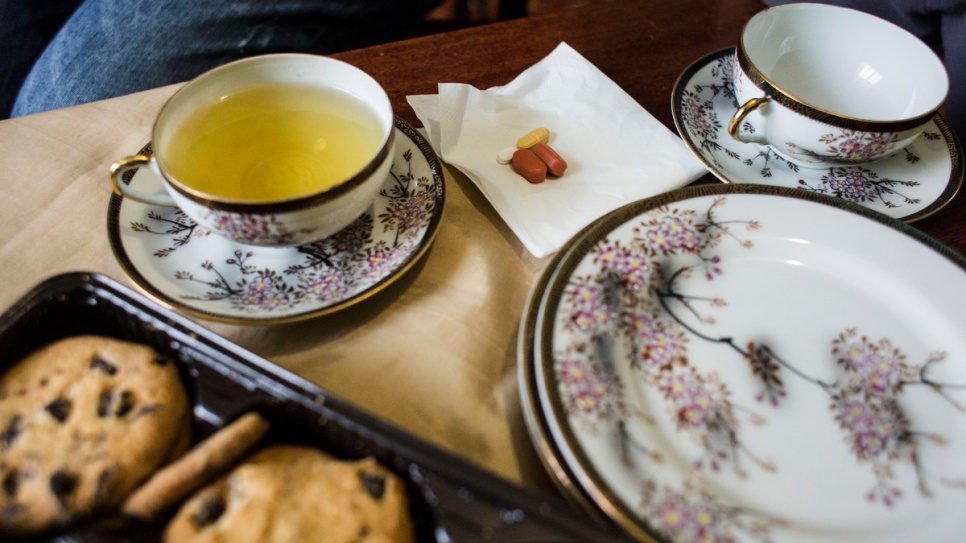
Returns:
point(776, 93)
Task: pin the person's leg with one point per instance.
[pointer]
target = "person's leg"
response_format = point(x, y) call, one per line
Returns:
point(954, 51)
point(114, 47)
point(26, 27)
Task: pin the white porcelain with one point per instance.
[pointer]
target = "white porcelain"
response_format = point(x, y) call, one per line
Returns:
point(830, 86)
point(288, 222)
point(725, 363)
point(908, 185)
point(184, 266)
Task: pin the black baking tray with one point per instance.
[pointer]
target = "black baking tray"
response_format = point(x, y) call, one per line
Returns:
point(452, 499)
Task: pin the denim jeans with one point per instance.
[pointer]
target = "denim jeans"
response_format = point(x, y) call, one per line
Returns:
point(58, 53)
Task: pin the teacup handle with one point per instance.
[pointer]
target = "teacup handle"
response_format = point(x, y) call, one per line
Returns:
point(734, 127)
point(121, 188)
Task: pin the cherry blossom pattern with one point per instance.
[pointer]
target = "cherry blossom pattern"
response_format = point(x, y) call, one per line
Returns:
point(249, 228)
point(699, 405)
point(633, 302)
point(701, 120)
point(174, 224)
point(410, 202)
point(688, 514)
point(868, 407)
point(857, 147)
point(861, 185)
point(866, 402)
point(697, 107)
point(252, 289)
point(624, 305)
point(591, 391)
point(329, 271)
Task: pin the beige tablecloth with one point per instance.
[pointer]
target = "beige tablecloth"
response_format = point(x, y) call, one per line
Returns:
point(434, 353)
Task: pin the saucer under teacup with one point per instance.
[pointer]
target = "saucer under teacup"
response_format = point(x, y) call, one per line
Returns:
point(187, 268)
point(909, 185)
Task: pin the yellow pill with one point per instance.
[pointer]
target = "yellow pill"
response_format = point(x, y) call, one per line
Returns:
point(537, 135)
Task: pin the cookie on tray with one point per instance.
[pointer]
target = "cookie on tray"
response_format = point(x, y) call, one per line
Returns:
point(83, 421)
point(292, 493)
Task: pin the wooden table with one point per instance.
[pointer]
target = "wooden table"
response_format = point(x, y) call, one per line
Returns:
point(642, 46)
point(435, 353)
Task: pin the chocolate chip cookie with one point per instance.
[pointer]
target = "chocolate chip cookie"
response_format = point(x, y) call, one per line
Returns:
point(290, 493)
point(82, 422)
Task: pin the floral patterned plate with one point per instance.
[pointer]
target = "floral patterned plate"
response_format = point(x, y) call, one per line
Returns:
point(909, 185)
point(743, 363)
point(202, 274)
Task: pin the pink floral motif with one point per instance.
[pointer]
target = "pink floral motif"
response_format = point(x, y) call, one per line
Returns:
point(650, 321)
point(873, 432)
point(878, 370)
point(686, 514)
point(659, 344)
point(586, 390)
point(861, 185)
point(673, 234)
point(330, 270)
point(629, 265)
point(588, 314)
point(859, 147)
point(381, 261)
point(329, 284)
point(852, 186)
point(694, 402)
point(266, 292)
point(249, 228)
point(698, 115)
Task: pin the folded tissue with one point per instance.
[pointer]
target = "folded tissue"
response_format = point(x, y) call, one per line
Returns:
point(616, 152)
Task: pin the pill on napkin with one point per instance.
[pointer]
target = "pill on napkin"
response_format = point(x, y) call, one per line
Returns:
point(616, 151)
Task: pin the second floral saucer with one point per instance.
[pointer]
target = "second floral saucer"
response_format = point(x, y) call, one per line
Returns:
point(910, 185)
point(187, 268)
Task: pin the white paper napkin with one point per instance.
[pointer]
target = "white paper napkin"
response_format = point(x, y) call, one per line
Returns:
point(615, 150)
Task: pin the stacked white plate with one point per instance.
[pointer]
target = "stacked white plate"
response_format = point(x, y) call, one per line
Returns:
point(752, 363)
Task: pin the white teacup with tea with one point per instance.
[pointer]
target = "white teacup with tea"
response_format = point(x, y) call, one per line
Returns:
point(274, 150)
point(827, 86)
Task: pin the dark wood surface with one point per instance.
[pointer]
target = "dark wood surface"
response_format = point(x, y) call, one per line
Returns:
point(643, 45)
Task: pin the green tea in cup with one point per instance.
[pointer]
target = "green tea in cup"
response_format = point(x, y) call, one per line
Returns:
point(275, 150)
point(274, 142)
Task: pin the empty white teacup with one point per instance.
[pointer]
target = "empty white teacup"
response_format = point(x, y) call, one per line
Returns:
point(274, 150)
point(829, 86)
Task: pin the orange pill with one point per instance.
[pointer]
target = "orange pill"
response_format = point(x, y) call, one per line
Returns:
point(529, 166)
point(554, 162)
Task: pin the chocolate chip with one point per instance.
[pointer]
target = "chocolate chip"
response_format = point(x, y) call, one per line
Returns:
point(363, 533)
point(161, 360)
point(115, 403)
point(124, 403)
point(374, 483)
point(10, 434)
point(59, 409)
point(99, 363)
point(104, 403)
point(104, 481)
point(62, 484)
point(12, 511)
point(210, 510)
point(10, 482)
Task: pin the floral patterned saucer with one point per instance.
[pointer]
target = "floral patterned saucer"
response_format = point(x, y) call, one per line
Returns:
point(912, 184)
point(722, 363)
point(205, 275)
